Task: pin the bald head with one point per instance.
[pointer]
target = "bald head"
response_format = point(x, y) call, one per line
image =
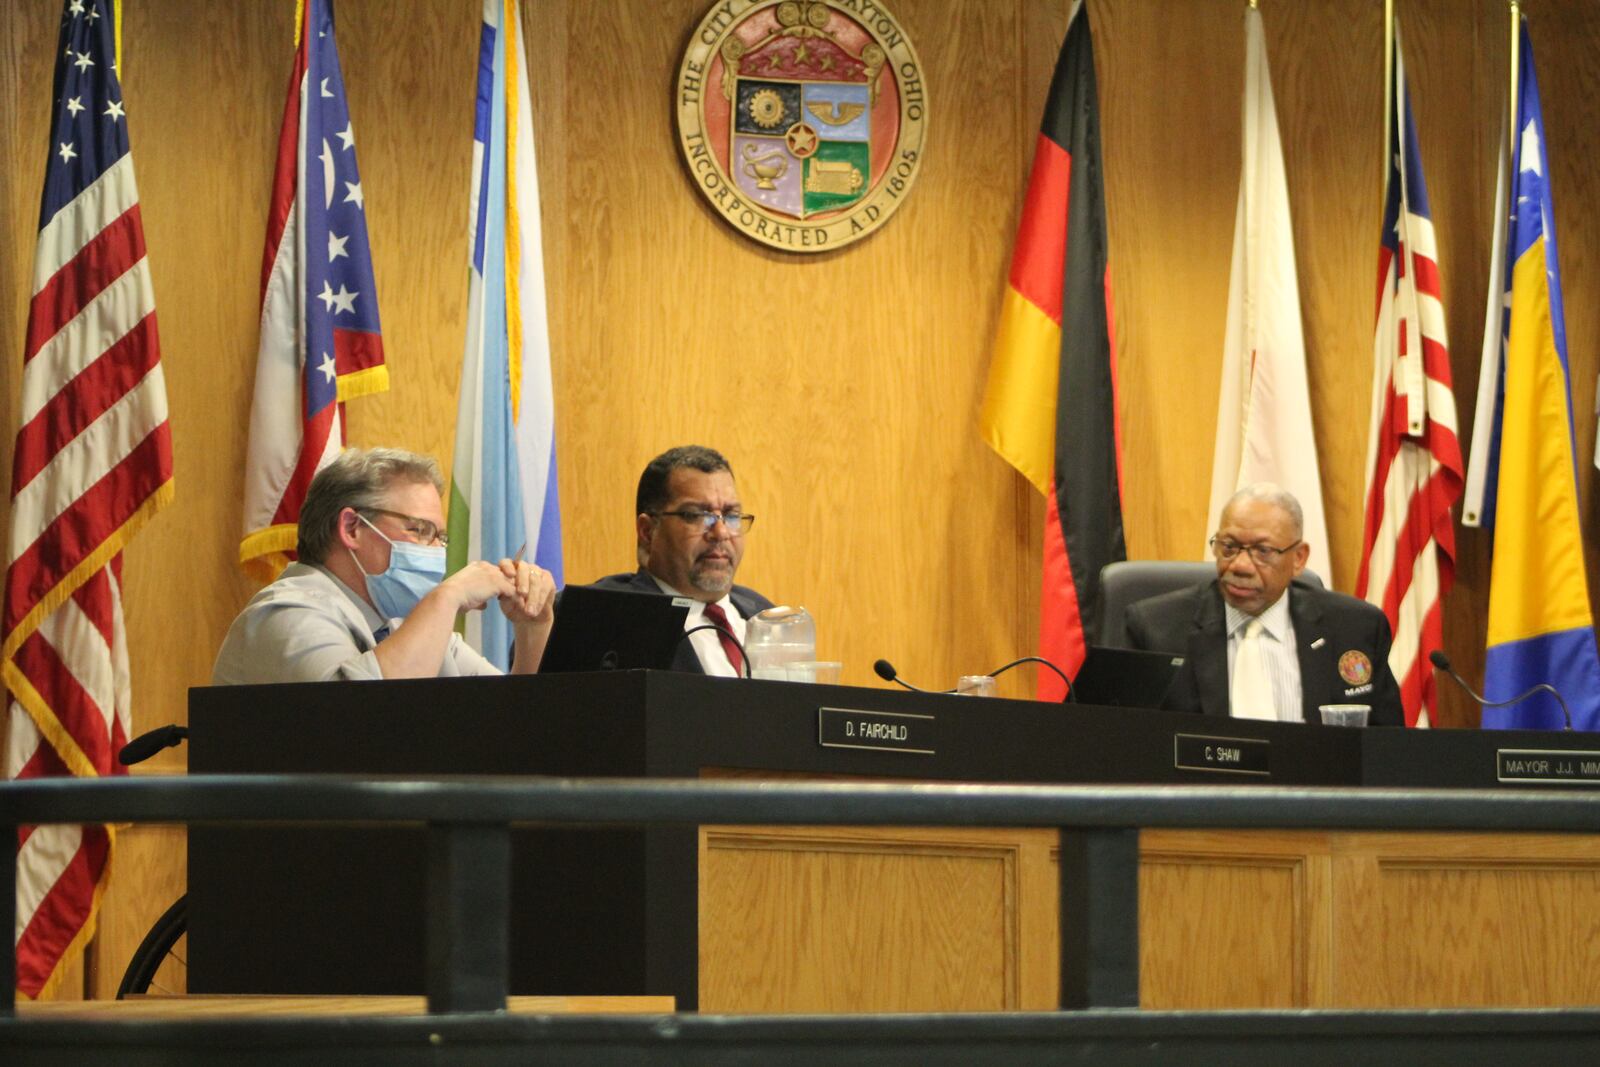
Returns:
point(1275, 495)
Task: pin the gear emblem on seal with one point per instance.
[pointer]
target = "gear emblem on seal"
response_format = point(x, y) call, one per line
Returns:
point(766, 108)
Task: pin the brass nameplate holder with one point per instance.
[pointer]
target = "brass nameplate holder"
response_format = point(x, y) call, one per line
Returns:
point(880, 731)
point(1222, 755)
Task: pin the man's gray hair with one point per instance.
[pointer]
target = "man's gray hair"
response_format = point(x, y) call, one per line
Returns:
point(358, 478)
point(1276, 495)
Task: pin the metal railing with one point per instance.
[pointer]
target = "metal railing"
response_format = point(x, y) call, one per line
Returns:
point(469, 823)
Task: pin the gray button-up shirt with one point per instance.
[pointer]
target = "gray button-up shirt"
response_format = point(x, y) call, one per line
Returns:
point(308, 626)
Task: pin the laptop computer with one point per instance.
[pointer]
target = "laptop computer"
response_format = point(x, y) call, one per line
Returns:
point(614, 629)
point(1125, 677)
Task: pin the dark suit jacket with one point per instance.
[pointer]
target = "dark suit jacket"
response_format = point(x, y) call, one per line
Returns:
point(746, 601)
point(1327, 625)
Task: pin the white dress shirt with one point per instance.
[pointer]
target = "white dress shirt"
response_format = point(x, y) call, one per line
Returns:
point(706, 644)
point(1280, 655)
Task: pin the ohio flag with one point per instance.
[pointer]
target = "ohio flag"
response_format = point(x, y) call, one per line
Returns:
point(320, 343)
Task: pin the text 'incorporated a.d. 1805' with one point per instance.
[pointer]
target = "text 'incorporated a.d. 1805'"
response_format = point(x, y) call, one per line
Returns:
point(803, 123)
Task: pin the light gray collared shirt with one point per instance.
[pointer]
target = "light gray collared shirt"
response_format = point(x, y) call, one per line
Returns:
point(308, 626)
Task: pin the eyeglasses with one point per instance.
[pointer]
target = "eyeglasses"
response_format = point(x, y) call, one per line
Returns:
point(423, 530)
point(1226, 548)
point(737, 522)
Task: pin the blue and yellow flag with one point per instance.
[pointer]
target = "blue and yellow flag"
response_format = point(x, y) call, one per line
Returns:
point(1541, 628)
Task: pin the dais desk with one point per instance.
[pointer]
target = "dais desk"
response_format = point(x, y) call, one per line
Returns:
point(898, 919)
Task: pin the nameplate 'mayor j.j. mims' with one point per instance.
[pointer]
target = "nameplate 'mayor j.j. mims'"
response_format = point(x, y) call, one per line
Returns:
point(1547, 766)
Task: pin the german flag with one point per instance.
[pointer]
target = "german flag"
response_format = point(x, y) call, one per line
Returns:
point(1050, 407)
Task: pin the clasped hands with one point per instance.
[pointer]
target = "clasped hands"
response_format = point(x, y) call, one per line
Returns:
point(526, 592)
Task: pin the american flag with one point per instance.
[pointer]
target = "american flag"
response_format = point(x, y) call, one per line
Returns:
point(1413, 455)
point(320, 342)
point(93, 462)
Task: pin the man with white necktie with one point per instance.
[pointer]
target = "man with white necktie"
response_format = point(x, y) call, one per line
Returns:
point(1260, 642)
point(690, 532)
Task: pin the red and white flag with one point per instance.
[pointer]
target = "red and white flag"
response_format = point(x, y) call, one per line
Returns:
point(320, 345)
point(93, 462)
point(1413, 454)
point(1264, 411)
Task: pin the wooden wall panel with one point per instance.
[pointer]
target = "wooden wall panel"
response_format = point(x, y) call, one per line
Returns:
point(843, 919)
point(150, 872)
point(1234, 920)
point(1508, 920)
point(1169, 77)
point(204, 177)
point(844, 387)
point(845, 400)
point(803, 919)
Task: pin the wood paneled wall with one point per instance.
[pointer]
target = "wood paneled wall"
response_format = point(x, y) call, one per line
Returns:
point(844, 387)
point(830, 919)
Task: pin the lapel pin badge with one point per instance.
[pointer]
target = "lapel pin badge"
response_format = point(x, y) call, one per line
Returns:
point(1355, 667)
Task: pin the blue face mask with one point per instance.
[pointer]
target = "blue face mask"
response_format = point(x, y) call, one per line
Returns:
point(414, 570)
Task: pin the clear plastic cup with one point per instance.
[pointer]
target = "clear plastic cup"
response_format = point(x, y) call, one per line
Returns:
point(975, 685)
point(825, 672)
point(1344, 714)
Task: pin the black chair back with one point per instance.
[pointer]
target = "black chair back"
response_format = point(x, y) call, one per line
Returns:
point(1126, 583)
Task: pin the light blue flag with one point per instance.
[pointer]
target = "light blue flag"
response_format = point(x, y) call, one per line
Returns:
point(503, 497)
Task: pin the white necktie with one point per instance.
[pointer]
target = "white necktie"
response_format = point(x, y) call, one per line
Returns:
point(1251, 693)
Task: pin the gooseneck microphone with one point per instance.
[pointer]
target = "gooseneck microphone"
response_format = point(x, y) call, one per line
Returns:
point(1070, 698)
point(1441, 661)
point(148, 744)
point(885, 670)
point(743, 655)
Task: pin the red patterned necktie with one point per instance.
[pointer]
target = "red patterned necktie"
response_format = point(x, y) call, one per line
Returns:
point(719, 619)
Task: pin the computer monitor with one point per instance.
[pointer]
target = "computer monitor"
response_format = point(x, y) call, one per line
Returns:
point(614, 629)
point(1125, 677)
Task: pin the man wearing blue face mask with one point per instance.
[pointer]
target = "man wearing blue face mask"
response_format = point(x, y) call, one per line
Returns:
point(368, 597)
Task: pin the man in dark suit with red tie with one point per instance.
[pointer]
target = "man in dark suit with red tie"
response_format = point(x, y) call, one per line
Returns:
point(691, 529)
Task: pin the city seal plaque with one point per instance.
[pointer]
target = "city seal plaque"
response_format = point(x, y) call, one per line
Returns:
point(802, 121)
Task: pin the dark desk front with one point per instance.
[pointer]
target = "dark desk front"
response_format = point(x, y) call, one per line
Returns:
point(615, 912)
